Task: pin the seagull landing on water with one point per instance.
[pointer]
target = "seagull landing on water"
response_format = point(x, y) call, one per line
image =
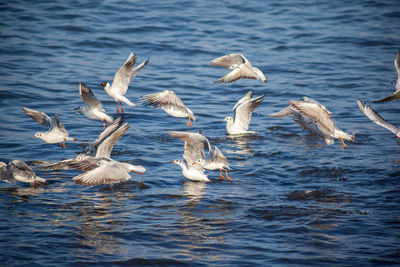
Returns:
point(197, 150)
point(376, 118)
point(395, 95)
point(122, 78)
point(170, 102)
point(241, 68)
point(192, 172)
point(94, 109)
point(56, 133)
point(314, 117)
point(239, 124)
point(18, 170)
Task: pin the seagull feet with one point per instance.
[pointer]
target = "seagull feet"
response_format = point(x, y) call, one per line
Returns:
point(188, 122)
point(226, 172)
point(104, 124)
point(340, 139)
point(117, 108)
point(122, 109)
point(220, 174)
point(62, 144)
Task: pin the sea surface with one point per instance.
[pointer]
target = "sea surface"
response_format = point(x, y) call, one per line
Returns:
point(293, 201)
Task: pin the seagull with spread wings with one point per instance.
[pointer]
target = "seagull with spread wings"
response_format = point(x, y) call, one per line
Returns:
point(122, 78)
point(243, 109)
point(94, 109)
point(171, 103)
point(56, 133)
point(316, 118)
point(241, 68)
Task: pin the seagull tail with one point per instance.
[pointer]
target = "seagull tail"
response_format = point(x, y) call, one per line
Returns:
point(126, 101)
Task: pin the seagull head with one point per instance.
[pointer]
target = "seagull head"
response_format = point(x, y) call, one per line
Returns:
point(229, 118)
point(105, 84)
point(79, 109)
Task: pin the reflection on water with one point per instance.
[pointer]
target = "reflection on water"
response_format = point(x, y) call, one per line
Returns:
point(194, 191)
point(241, 144)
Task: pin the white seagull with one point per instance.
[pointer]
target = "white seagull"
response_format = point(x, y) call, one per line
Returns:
point(56, 133)
point(395, 95)
point(18, 170)
point(170, 102)
point(239, 124)
point(376, 118)
point(105, 171)
point(241, 68)
point(121, 81)
point(190, 171)
point(314, 117)
point(94, 109)
point(102, 147)
point(197, 150)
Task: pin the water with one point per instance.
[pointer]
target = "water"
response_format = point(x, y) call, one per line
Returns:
point(293, 199)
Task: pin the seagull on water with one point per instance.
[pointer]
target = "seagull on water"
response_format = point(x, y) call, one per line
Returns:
point(241, 68)
point(190, 171)
point(376, 118)
point(316, 118)
point(239, 124)
point(395, 95)
point(197, 150)
point(18, 170)
point(56, 133)
point(171, 103)
point(122, 78)
point(94, 109)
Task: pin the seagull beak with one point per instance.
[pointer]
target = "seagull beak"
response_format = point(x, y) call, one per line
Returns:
point(32, 136)
point(171, 162)
point(194, 163)
point(222, 120)
point(138, 173)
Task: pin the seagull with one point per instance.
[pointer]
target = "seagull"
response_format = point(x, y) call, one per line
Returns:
point(94, 109)
point(241, 68)
point(18, 170)
point(198, 149)
point(192, 172)
point(216, 161)
point(170, 102)
point(101, 147)
point(376, 118)
point(242, 111)
point(56, 133)
point(105, 171)
point(395, 95)
point(122, 78)
point(313, 116)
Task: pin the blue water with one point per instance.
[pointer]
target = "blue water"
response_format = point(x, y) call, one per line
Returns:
point(293, 200)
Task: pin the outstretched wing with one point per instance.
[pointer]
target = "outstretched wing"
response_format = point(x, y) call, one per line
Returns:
point(376, 118)
point(88, 97)
point(228, 60)
point(38, 116)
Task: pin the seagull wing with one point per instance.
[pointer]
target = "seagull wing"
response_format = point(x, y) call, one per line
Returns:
point(317, 112)
point(196, 145)
point(376, 118)
point(104, 149)
point(165, 99)
point(228, 60)
point(244, 111)
point(105, 174)
point(243, 71)
point(394, 96)
point(110, 129)
point(89, 98)
point(122, 77)
point(38, 116)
